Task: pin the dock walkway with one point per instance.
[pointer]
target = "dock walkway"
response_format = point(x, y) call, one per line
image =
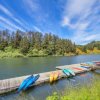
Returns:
point(12, 84)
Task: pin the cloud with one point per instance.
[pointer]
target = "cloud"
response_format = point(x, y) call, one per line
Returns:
point(81, 15)
point(31, 6)
point(37, 29)
point(77, 7)
point(9, 23)
point(6, 11)
point(6, 26)
point(11, 15)
point(21, 24)
point(35, 10)
point(85, 37)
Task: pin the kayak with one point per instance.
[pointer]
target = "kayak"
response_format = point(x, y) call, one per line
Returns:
point(71, 72)
point(85, 67)
point(51, 77)
point(31, 81)
point(76, 68)
point(21, 87)
point(66, 72)
point(56, 75)
point(90, 63)
point(97, 63)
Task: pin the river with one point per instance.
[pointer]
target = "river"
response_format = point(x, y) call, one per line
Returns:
point(14, 67)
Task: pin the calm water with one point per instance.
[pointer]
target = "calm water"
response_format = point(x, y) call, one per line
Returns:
point(23, 66)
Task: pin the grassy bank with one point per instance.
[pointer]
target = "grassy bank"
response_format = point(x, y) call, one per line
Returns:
point(9, 52)
point(12, 53)
point(85, 93)
point(17, 53)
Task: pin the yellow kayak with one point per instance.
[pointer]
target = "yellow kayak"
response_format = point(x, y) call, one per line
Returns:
point(51, 77)
point(56, 75)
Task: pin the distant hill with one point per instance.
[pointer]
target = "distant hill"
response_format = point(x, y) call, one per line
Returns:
point(92, 47)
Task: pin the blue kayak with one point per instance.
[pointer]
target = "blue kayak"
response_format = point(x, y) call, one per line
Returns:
point(21, 87)
point(31, 81)
point(85, 67)
point(90, 63)
point(71, 72)
point(66, 72)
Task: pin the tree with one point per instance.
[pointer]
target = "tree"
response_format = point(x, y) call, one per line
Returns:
point(17, 39)
point(3, 44)
point(84, 49)
point(49, 44)
point(24, 45)
point(37, 40)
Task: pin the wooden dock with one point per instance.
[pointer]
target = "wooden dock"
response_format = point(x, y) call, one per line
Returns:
point(12, 84)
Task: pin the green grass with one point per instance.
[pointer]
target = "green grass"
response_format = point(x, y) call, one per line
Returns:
point(85, 93)
point(12, 53)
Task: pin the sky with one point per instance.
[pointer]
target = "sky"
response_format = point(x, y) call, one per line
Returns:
point(78, 20)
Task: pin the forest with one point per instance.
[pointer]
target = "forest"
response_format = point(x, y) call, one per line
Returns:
point(33, 44)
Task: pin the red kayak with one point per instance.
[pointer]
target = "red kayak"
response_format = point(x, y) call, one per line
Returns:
point(76, 68)
point(98, 63)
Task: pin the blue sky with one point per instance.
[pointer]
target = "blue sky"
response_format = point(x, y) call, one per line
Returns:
point(78, 20)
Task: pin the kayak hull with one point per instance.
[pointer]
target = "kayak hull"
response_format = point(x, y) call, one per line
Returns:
point(51, 77)
point(66, 72)
point(21, 87)
point(31, 81)
point(56, 75)
point(71, 72)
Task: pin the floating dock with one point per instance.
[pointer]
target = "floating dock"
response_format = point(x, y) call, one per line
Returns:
point(12, 84)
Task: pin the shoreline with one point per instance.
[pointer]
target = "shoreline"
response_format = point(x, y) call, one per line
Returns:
point(23, 56)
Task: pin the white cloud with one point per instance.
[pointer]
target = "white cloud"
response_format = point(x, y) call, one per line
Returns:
point(66, 21)
point(9, 23)
point(35, 10)
point(31, 6)
point(11, 15)
point(37, 29)
point(77, 7)
point(2, 8)
point(86, 16)
point(85, 37)
point(6, 26)
point(21, 23)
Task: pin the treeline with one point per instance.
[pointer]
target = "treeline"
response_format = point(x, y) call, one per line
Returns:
point(15, 44)
point(35, 43)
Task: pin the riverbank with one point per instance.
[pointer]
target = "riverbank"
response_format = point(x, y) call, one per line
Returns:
point(17, 54)
point(90, 92)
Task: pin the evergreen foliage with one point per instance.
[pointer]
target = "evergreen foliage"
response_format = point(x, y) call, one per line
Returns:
point(36, 44)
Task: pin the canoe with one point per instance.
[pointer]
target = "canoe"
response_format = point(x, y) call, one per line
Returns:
point(31, 81)
point(51, 77)
point(56, 75)
point(21, 87)
point(71, 72)
point(66, 72)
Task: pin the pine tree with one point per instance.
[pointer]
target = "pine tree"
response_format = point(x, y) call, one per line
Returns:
point(24, 45)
